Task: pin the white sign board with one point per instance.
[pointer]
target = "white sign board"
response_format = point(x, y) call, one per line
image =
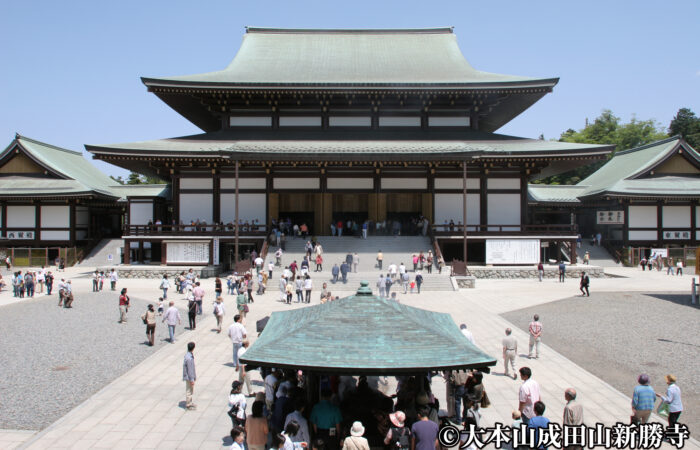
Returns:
point(188, 252)
point(216, 251)
point(610, 218)
point(512, 251)
point(110, 257)
point(662, 252)
point(671, 235)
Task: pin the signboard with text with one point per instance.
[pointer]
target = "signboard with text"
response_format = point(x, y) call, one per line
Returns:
point(512, 251)
point(610, 217)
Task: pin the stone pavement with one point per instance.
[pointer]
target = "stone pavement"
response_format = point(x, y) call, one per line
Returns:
point(143, 408)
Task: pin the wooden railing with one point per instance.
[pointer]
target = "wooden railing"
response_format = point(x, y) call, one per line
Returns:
point(490, 229)
point(196, 230)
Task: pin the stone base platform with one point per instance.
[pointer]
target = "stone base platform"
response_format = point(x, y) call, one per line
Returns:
point(157, 272)
point(515, 272)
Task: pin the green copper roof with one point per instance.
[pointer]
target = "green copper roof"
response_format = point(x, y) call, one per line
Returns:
point(364, 334)
point(278, 57)
point(548, 193)
point(141, 190)
point(664, 186)
point(45, 187)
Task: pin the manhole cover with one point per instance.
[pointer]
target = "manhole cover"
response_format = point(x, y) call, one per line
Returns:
point(60, 368)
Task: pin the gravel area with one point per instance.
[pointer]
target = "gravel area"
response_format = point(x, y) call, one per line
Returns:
point(617, 336)
point(55, 358)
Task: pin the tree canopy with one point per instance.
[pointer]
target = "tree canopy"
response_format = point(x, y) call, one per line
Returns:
point(135, 178)
point(687, 125)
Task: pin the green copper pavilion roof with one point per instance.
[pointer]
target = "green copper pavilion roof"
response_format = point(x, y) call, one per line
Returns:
point(273, 57)
point(364, 334)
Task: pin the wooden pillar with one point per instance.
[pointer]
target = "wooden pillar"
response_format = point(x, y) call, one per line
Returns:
point(659, 223)
point(693, 224)
point(140, 255)
point(163, 253)
point(127, 252)
point(37, 227)
point(574, 256)
point(4, 220)
point(72, 223)
point(427, 206)
point(327, 213)
point(372, 207)
point(235, 226)
point(216, 188)
point(483, 200)
point(319, 214)
point(176, 198)
point(464, 211)
point(626, 225)
point(523, 200)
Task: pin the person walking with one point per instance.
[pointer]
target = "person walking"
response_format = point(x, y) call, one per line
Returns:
point(528, 395)
point(380, 259)
point(419, 281)
point(405, 279)
point(643, 399)
point(673, 399)
point(242, 305)
point(535, 330)
point(587, 257)
point(344, 269)
point(669, 268)
point(562, 271)
point(573, 413)
point(238, 334)
point(540, 270)
point(243, 375)
point(319, 263)
point(113, 278)
point(49, 282)
point(192, 314)
point(123, 306)
point(387, 286)
point(356, 258)
point(381, 286)
point(29, 284)
point(510, 351)
point(149, 319)
point(335, 271)
point(172, 317)
point(219, 312)
point(585, 281)
point(165, 285)
point(308, 284)
point(96, 281)
point(189, 376)
point(198, 293)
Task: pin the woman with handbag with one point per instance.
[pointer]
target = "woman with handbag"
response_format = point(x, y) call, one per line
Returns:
point(149, 319)
point(672, 399)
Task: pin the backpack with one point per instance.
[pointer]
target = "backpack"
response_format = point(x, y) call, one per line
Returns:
point(401, 437)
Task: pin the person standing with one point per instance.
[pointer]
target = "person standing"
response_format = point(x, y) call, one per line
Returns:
point(424, 432)
point(123, 306)
point(68, 296)
point(540, 270)
point(643, 399)
point(29, 284)
point(587, 257)
point(356, 258)
point(189, 375)
point(419, 281)
point(335, 271)
point(344, 269)
point(528, 395)
point(405, 279)
point(113, 278)
point(241, 305)
point(573, 413)
point(149, 318)
point(535, 330)
point(539, 422)
point(243, 375)
point(673, 399)
point(381, 286)
point(562, 271)
point(510, 351)
point(326, 419)
point(237, 333)
point(308, 284)
point(679, 267)
point(669, 269)
point(198, 293)
point(49, 282)
point(299, 284)
point(96, 281)
point(387, 286)
point(165, 285)
point(380, 259)
point(583, 287)
point(172, 317)
point(219, 312)
point(192, 314)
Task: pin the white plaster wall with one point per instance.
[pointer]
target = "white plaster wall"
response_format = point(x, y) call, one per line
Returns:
point(456, 183)
point(250, 121)
point(243, 183)
point(140, 213)
point(300, 121)
point(196, 183)
point(296, 183)
point(405, 183)
point(455, 121)
point(350, 183)
point(21, 216)
point(350, 121)
point(449, 207)
point(196, 206)
point(642, 235)
point(642, 217)
point(252, 206)
point(675, 216)
point(503, 183)
point(54, 235)
point(503, 209)
point(55, 216)
point(399, 121)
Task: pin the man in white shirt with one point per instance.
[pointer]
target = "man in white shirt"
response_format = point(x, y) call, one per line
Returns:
point(243, 375)
point(392, 271)
point(467, 334)
point(529, 395)
point(113, 278)
point(61, 290)
point(298, 416)
point(258, 264)
point(237, 333)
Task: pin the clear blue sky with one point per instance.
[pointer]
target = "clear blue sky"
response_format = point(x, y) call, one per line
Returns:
point(69, 70)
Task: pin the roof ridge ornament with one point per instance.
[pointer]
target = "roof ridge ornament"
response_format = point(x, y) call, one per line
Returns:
point(364, 288)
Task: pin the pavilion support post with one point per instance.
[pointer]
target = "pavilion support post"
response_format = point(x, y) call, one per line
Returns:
point(236, 222)
point(464, 211)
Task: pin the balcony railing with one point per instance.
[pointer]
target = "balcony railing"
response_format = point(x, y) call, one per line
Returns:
point(495, 230)
point(196, 230)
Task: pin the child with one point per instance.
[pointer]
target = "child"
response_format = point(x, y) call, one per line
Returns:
point(102, 279)
point(413, 286)
point(517, 423)
point(160, 306)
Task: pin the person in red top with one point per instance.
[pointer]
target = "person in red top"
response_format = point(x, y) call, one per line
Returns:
point(339, 228)
point(123, 306)
point(293, 268)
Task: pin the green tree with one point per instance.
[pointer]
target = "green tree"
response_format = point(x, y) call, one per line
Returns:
point(686, 124)
point(118, 179)
point(135, 178)
point(606, 129)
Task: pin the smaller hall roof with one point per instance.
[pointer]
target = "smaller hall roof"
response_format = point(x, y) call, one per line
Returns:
point(270, 57)
point(364, 334)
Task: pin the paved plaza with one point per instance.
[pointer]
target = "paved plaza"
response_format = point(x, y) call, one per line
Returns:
point(142, 408)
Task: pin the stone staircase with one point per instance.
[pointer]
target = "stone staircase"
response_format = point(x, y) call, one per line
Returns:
point(98, 256)
point(395, 249)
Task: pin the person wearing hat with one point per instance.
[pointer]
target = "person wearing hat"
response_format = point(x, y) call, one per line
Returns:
point(643, 399)
point(355, 441)
point(398, 435)
point(673, 398)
